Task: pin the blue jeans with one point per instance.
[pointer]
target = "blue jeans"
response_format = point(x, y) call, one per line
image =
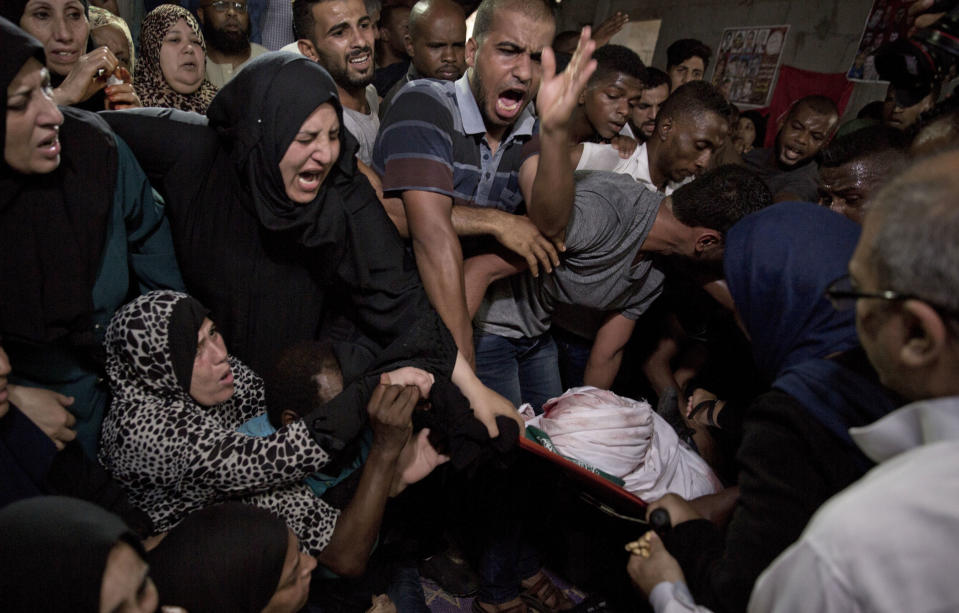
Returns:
point(521, 369)
point(574, 352)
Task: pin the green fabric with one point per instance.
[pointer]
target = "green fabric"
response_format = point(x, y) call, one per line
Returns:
point(541, 438)
point(138, 240)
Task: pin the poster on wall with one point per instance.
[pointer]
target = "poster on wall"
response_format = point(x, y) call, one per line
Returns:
point(747, 63)
point(886, 22)
point(641, 37)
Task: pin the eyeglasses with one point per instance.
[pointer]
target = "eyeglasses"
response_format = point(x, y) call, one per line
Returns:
point(843, 296)
point(222, 6)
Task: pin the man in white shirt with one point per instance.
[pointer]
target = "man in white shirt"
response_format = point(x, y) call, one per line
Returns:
point(693, 122)
point(887, 542)
point(226, 27)
point(339, 35)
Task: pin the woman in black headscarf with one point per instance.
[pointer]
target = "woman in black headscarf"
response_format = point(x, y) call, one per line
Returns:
point(271, 220)
point(80, 74)
point(64, 554)
point(232, 557)
point(77, 216)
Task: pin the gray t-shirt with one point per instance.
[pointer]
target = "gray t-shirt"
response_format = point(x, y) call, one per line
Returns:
point(364, 127)
point(611, 218)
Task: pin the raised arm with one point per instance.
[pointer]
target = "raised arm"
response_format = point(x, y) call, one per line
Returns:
point(547, 179)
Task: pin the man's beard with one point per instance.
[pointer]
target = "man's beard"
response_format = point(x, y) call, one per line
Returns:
point(229, 43)
point(349, 80)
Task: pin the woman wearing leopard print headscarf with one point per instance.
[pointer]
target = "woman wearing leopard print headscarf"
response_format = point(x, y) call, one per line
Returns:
point(172, 68)
point(170, 437)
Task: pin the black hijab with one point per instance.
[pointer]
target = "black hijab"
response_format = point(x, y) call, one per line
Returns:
point(257, 115)
point(227, 557)
point(54, 553)
point(52, 226)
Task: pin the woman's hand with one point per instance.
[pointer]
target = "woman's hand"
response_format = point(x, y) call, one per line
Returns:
point(122, 95)
point(486, 403)
point(47, 410)
point(88, 76)
point(409, 375)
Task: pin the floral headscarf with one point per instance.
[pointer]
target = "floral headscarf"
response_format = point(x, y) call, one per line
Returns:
point(148, 81)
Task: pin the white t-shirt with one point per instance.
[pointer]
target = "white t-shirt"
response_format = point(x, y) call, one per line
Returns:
point(605, 157)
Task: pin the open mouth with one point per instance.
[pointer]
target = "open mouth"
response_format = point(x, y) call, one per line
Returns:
point(791, 155)
point(50, 146)
point(510, 102)
point(360, 60)
point(65, 56)
point(191, 66)
point(309, 181)
point(227, 379)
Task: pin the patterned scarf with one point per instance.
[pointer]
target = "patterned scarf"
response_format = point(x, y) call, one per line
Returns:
point(149, 83)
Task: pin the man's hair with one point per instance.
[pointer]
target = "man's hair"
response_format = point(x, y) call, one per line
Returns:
point(387, 12)
point(685, 48)
point(372, 6)
point(292, 385)
point(759, 122)
point(656, 77)
point(616, 59)
point(822, 105)
point(303, 22)
point(873, 110)
point(864, 143)
point(915, 250)
point(535, 9)
point(565, 38)
point(720, 198)
point(695, 98)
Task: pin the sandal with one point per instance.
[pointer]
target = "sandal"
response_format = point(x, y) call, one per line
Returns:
point(709, 406)
point(543, 596)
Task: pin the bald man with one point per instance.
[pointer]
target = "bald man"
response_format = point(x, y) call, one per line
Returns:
point(436, 44)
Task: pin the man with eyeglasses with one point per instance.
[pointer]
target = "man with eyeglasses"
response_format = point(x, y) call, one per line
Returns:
point(226, 27)
point(887, 542)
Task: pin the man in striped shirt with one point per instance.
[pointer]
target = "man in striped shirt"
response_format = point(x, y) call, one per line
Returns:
point(469, 158)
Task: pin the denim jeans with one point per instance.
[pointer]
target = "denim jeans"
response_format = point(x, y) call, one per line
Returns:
point(521, 369)
point(574, 352)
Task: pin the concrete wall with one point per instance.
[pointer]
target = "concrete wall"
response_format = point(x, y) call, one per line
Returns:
point(823, 34)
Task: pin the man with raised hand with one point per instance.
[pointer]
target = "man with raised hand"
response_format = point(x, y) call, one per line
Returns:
point(470, 158)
